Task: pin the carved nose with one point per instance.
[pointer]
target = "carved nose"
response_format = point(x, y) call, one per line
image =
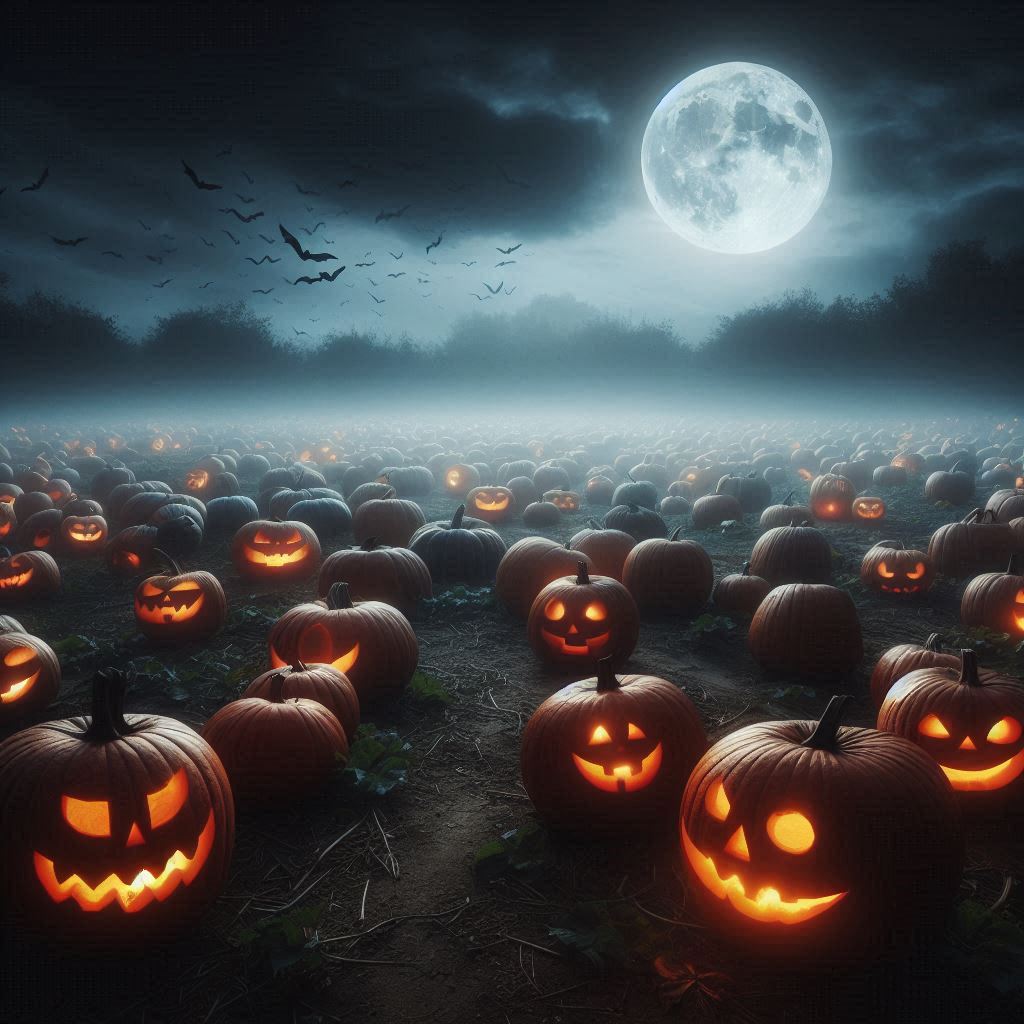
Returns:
point(135, 836)
point(967, 744)
point(737, 845)
point(572, 629)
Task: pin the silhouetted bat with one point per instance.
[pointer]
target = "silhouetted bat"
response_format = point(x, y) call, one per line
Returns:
point(397, 256)
point(375, 284)
point(375, 299)
point(194, 178)
point(163, 284)
point(509, 291)
point(206, 243)
point(262, 291)
point(231, 236)
point(145, 226)
point(69, 241)
point(305, 191)
point(480, 298)
point(309, 209)
point(38, 183)
point(367, 264)
point(155, 259)
point(509, 251)
point(390, 214)
point(328, 241)
point(110, 252)
point(298, 332)
point(243, 219)
point(245, 200)
point(347, 183)
point(504, 263)
point(207, 285)
point(304, 254)
point(375, 313)
point(471, 263)
point(265, 259)
point(324, 276)
point(269, 241)
point(247, 178)
point(399, 274)
point(316, 227)
point(494, 291)
point(425, 295)
point(435, 243)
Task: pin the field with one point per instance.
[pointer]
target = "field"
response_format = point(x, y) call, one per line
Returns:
point(442, 899)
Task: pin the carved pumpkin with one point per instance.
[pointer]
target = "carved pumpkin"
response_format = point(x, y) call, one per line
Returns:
point(322, 683)
point(574, 622)
point(996, 600)
point(832, 497)
point(564, 501)
point(41, 530)
point(28, 574)
point(83, 536)
point(890, 568)
point(836, 843)
point(599, 490)
point(740, 593)
point(868, 509)
point(8, 520)
point(611, 753)
point(183, 606)
point(491, 504)
point(29, 672)
point(669, 576)
point(903, 659)
point(369, 641)
point(131, 550)
point(529, 566)
point(274, 748)
point(460, 479)
point(606, 548)
point(373, 572)
point(792, 554)
point(118, 827)
point(459, 552)
point(970, 722)
point(275, 551)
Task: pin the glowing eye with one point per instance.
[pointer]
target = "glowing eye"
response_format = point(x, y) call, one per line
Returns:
point(187, 585)
point(883, 571)
point(931, 726)
point(150, 590)
point(596, 612)
point(261, 538)
point(636, 733)
point(89, 817)
point(717, 803)
point(917, 573)
point(554, 610)
point(599, 735)
point(165, 803)
point(19, 656)
point(791, 831)
point(1019, 599)
point(1006, 730)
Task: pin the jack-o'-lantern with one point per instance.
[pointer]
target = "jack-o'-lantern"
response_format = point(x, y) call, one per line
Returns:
point(40, 531)
point(611, 753)
point(460, 479)
point(529, 566)
point(58, 491)
point(566, 501)
point(832, 497)
point(996, 600)
point(8, 520)
point(29, 674)
point(182, 606)
point(83, 535)
point(890, 568)
point(27, 574)
point(130, 551)
point(160, 444)
point(197, 481)
point(868, 509)
point(969, 721)
point(491, 504)
point(370, 642)
point(275, 551)
point(575, 621)
point(118, 829)
point(833, 842)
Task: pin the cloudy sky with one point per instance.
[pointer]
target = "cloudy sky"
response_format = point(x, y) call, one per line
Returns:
point(499, 127)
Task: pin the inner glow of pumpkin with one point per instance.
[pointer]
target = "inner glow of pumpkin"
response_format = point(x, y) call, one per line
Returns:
point(716, 802)
point(86, 534)
point(931, 726)
point(318, 655)
point(985, 778)
point(790, 831)
point(181, 602)
point(1019, 619)
point(88, 817)
point(599, 735)
point(17, 579)
point(596, 612)
point(620, 778)
point(1006, 730)
point(554, 610)
point(167, 801)
point(16, 690)
point(883, 570)
point(917, 572)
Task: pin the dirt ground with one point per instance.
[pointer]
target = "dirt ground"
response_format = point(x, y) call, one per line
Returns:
point(345, 908)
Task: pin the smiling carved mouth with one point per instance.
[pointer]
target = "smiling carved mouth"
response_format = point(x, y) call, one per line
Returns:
point(620, 778)
point(132, 896)
point(342, 663)
point(18, 689)
point(277, 558)
point(1019, 620)
point(767, 904)
point(167, 609)
point(910, 588)
point(582, 646)
point(986, 778)
point(18, 580)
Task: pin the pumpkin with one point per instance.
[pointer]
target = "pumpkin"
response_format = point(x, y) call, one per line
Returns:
point(752, 491)
point(29, 672)
point(390, 519)
point(636, 492)
point(322, 683)
point(118, 828)
point(564, 501)
point(808, 629)
point(611, 753)
point(970, 722)
point(529, 566)
point(8, 520)
point(83, 536)
point(714, 509)
point(995, 600)
point(669, 576)
point(910, 462)
point(369, 641)
point(491, 504)
point(792, 554)
point(460, 479)
point(674, 505)
point(575, 621)
point(275, 551)
point(375, 572)
point(40, 531)
point(459, 552)
point(740, 592)
point(834, 843)
point(889, 476)
point(953, 486)
point(523, 490)
point(540, 515)
point(976, 544)
point(832, 497)
point(903, 659)
point(276, 749)
point(867, 509)
point(639, 522)
point(130, 551)
point(606, 548)
point(29, 503)
point(28, 574)
point(890, 568)
point(1005, 505)
point(599, 490)
point(180, 606)
point(228, 514)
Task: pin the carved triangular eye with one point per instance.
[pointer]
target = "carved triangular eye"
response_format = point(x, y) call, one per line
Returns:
point(636, 733)
point(599, 735)
point(931, 726)
point(717, 803)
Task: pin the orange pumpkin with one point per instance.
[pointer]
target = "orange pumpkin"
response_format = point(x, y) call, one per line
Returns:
point(275, 551)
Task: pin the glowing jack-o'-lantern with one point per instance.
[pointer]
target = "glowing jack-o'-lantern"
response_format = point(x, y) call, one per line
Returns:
point(832, 497)
point(868, 509)
point(8, 519)
point(27, 574)
point(610, 752)
point(970, 722)
point(890, 568)
point(196, 481)
point(783, 824)
point(491, 504)
point(460, 479)
point(127, 823)
point(179, 607)
point(83, 535)
point(29, 674)
point(996, 600)
point(566, 501)
point(574, 622)
point(282, 551)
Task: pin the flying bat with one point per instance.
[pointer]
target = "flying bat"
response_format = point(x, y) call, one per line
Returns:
point(509, 251)
point(269, 241)
point(376, 284)
point(375, 299)
point(145, 226)
point(262, 291)
point(247, 178)
point(245, 200)
point(435, 243)
point(401, 273)
point(207, 285)
point(494, 291)
point(324, 276)
point(297, 331)
point(231, 236)
point(265, 259)
point(163, 284)
point(154, 259)
point(390, 214)
point(110, 252)
point(194, 178)
point(316, 227)
point(243, 219)
point(471, 263)
point(504, 263)
point(397, 256)
point(480, 298)
point(304, 254)
point(69, 241)
point(209, 245)
point(305, 191)
point(509, 291)
point(367, 264)
point(375, 313)
point(38, 183)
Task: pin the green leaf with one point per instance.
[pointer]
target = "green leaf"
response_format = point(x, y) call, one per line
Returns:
point(988, 946)
point(285, 943)
point(73, 644)
point(521, 851)
point(378, 761)
point(428, 690)
point(614, 933)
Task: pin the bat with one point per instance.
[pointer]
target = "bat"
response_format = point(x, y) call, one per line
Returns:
point(167, 252)
point(269, 241)
point(314, 321)
point(435, 243)
point(494, 291)
point(324, 276)
point(509, 251)
point(209, 245)
point(163, 284)
point(231, 236)
point(245, 200)
point(304, 254)
point(397, 256)
point(69, 241)
point(376, 284)
point(38, 183)
point(509, 291)
point(207, 285)
point(305, 191)
point(480, 298)
point(194, 178)
point(345, 303)
point(504, 263)
point(399, 274)
point(512, 181)
point(375, 313)
point(278, 301)
point(295, 329)
point(155, 259)
point(367, 264)
point(375, 299)
point(110, 252)
point(244, 220)
point(347, 183)
point(247, 178)
point(328, 241)
point(262, 291)
point(145, 226)
point(471, 263)
point(265, 259)
point(316, 227)
point(390, 214)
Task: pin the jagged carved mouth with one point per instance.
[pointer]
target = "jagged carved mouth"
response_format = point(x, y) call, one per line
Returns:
point(620, 778)
point(17, 580)
point(273, 558)
point(174, 606)
point(14, 691)
point(910, 588)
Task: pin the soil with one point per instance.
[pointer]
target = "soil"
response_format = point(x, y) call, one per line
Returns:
point(399, 925)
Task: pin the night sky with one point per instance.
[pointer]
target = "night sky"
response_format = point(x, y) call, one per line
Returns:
point(499, 127)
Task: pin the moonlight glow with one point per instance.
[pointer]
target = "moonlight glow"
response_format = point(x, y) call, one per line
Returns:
point(736, 158)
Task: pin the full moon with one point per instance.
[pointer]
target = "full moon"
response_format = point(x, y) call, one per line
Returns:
point(736, 158)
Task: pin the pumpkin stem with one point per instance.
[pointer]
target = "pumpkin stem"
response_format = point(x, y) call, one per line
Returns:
point(389, 493)
point(969, 668)
point(369, 544)
point(594, 524)
point(338, 596)
point(745, 571)
point(457, 518)
point(107, 722)
point(629, 477)
point(607, 680)
point(824, 735)
point(1016, 566)
point(934, 642)
point(276, 694)
point(299, 666)
point(582, 575)
point(168, 561)
point(675, 533)
point(633, 508)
